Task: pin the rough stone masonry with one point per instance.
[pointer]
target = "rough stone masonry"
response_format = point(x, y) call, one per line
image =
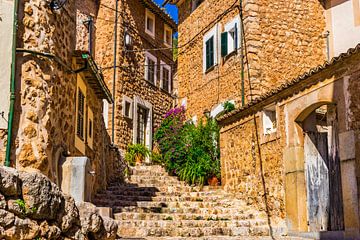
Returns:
point(32, 207)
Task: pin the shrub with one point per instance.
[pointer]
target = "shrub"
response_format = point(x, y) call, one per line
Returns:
point(136, 152)
point(189, 151)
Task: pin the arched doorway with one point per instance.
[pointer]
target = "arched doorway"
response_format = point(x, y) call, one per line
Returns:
point(322, 169)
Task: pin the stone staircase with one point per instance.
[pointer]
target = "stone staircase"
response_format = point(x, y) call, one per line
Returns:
point(154, 205)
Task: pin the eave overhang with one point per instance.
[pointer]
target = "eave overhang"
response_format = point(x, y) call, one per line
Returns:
point(290, 88)
point(92, 75)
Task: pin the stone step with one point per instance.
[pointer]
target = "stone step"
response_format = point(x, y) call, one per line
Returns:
point(192, 232)
point(184, 204)
point(163, 188)
point(131, 191)
point(148, 170)
point(134, 179)
point(170, 198)
point(169, 223)
point(221, 238)
point(185, 216)
point(185, 210)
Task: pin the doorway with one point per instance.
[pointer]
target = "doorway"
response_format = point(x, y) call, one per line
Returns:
point(322, 170)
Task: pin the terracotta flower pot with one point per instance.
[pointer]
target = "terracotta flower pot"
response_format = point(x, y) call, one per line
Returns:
point(213, 181)
point(138, 159)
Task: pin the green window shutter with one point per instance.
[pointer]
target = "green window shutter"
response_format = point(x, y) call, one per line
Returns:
point(224, 44)
point(210, 53)
point(207, 54)
point(212, 63)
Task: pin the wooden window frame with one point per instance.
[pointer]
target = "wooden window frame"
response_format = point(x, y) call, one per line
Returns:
point(168, 29)
point(149, 14)
point(213, 33)
point(149, 56)
point(168, 68)
point(80, 142)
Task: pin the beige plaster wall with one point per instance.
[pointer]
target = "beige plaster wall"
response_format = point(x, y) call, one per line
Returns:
point(343, 22)
point(6, 29)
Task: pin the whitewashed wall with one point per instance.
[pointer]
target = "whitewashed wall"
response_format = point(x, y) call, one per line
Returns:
point(344, 25)
point(6, 23)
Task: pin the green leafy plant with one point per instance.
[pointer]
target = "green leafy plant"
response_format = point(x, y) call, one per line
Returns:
point(190, 152)
point(21, 204)
point(23, 208)
point(157, 158)
point(136, 152)
point(228, 106)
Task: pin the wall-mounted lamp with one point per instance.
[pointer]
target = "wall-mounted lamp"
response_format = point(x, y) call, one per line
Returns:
point(57, 4)
point(128, 40)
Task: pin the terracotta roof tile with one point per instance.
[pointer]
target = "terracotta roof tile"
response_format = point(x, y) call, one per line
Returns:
point(160, 12)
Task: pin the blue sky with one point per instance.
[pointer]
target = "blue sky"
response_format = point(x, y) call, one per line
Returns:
point(171, 9)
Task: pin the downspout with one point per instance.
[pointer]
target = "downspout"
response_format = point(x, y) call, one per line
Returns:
point(114, 76)
point(12, 86)
point(242, 54)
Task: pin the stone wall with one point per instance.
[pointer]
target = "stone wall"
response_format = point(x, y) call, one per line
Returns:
point(282, 172)
point(243, 170)
point(130, 81)
point(44, 126)
point(45, 101)
point(32, 207)
point(283, 39)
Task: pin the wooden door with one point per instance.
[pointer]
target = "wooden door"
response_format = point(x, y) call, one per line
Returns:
point(317, 180)
point(336, 202)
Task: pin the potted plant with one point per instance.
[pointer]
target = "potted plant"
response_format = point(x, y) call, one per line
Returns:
point(136, 154)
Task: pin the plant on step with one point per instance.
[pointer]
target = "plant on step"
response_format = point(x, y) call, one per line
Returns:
point(189, 151)
point(136, 153)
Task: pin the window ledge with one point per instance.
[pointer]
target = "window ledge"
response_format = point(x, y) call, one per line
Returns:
point(152, 35)
point(269, 137)
point(210, 69)
point(229, 55)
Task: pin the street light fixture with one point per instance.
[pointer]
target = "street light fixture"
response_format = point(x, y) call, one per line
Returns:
point(57, 4)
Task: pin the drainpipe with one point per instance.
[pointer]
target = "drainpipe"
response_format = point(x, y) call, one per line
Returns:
point(12, 87)
point(114, 76)
point(242, 54)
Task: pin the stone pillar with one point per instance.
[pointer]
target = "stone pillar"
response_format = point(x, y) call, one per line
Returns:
point(76, 179)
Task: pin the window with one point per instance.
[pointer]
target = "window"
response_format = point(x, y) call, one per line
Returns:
point(230, 38)
point(90, 137)
point(80, 115)
point(127, 107)
point(150, 68)
point(150, 23)
point(210, 53)
point(195, 4)
point(269, 120)
point(210, 49)
point(167, 35)
point(142, 115)
point(165, 73)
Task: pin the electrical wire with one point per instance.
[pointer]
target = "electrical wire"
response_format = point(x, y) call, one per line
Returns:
point(211, 24)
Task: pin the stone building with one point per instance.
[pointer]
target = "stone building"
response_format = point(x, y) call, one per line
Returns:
point(58, 93)
point(282, 39)
point(290, 147)
point(143, 89)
